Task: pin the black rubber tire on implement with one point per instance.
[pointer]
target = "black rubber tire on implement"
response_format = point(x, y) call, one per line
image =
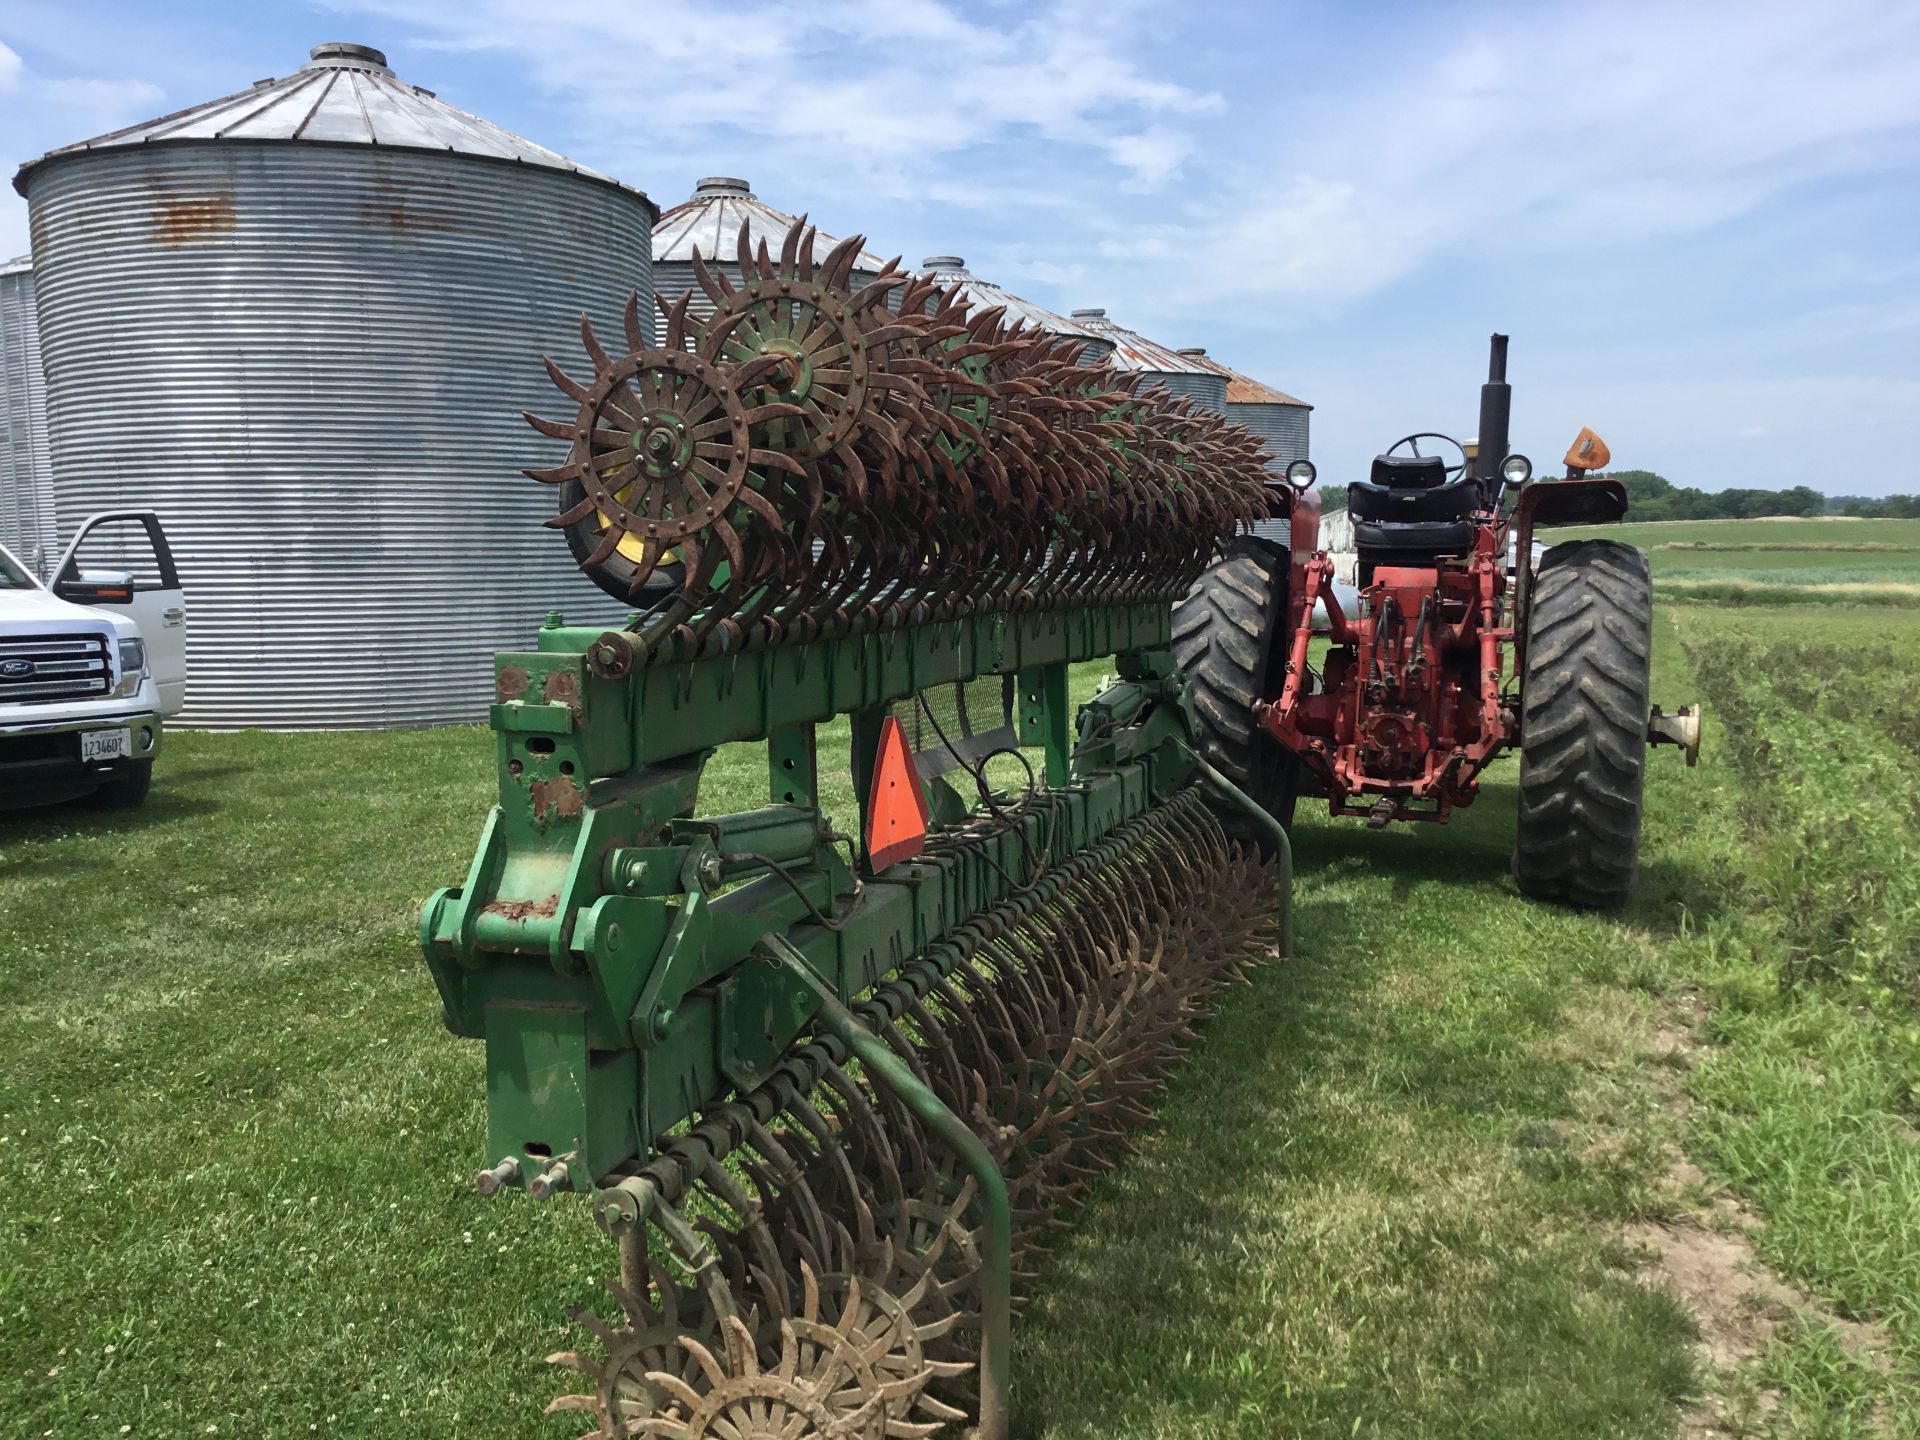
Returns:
point(1222, 638)
point(615, 574)
point(1583, 726)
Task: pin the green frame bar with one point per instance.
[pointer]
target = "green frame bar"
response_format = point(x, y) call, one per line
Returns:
point(595, 946)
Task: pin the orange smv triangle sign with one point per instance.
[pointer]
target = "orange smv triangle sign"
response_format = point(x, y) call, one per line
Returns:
point(896, 805)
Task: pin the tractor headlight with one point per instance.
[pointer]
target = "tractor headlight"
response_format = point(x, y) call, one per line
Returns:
point(1300, 474)
point(1516, 469)
point(133, 665)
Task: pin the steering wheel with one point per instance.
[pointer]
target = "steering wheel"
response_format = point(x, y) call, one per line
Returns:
point(1413, 443)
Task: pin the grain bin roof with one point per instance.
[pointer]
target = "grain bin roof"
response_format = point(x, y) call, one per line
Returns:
point(1133, 351)
point(17, 265)
point(1241, 389)
point(344, 95)
point(952, 270)
point(709, 221)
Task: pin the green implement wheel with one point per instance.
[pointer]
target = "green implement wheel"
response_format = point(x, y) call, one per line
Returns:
point(1583, 739)
point(1223, 634)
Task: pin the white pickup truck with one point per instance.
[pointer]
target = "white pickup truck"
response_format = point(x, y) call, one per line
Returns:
point(91, 665)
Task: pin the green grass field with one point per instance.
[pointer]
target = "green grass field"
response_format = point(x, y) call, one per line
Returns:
point(1778, 562)
point(1405, 1187)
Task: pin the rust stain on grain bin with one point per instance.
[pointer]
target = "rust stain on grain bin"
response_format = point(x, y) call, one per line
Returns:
point(192, 222)
point(401, 210)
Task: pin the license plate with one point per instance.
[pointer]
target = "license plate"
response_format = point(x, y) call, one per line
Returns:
point(105, 745)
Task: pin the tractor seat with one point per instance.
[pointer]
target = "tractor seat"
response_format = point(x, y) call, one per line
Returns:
point(1406, 504)
point(1421, 540)
point(1409, 472)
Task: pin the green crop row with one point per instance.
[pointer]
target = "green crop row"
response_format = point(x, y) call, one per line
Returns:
point(1822, 720)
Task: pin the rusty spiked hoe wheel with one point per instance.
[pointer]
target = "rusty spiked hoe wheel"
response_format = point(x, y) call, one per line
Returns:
point(960, 458)
point(837, 1083)
point(661, 449)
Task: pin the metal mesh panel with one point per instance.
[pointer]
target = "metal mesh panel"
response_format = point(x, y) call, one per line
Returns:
point(974, 716)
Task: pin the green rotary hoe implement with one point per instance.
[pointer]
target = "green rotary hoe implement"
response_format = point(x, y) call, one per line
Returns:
point(834, 1091)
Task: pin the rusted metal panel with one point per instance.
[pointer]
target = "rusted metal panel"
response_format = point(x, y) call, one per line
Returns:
point(1179, 374)
point(1242, 391)
point(1134, 351)
point(320, 395)
point(26, 487)
point(985, 295)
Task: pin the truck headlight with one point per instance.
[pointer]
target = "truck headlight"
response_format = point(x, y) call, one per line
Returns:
point(133, 665)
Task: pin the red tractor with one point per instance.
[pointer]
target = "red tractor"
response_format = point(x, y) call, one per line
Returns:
point(1453, 645)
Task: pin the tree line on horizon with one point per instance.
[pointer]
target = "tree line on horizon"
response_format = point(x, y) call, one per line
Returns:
point(1654, 497)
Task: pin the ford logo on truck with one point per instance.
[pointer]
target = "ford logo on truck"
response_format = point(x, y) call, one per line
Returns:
point(15, 669)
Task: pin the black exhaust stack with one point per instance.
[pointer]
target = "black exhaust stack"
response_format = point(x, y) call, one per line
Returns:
point(1496, 405)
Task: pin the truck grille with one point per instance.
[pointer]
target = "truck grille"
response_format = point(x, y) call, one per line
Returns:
point(56, 667)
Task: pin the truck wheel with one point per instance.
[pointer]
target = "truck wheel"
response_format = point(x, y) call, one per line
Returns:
point(127, 789)
point(1583, 725)
point(1220, 640)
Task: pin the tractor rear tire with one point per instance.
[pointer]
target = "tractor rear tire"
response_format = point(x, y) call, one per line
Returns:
point(1583, 724)
point(1222, 637)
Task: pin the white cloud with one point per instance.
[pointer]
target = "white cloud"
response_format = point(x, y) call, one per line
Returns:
point(881, 91)
point(10, 67)
point(1152, 156)
point(1613, 125)
point(1546, 129)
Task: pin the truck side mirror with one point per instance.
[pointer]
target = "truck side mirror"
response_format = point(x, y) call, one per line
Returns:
point(95, 587)
point(1588, 452)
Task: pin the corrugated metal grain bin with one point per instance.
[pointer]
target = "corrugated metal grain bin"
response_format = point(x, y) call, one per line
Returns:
point(1169, 368)
point(1276, 417)
point(26, 488)
point(301, 323)
point(951, 270)
point(709, 221)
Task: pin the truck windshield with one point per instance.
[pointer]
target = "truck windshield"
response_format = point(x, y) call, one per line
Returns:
point(12, 577)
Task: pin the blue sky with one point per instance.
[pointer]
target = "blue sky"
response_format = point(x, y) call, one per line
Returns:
point(1700, 224)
